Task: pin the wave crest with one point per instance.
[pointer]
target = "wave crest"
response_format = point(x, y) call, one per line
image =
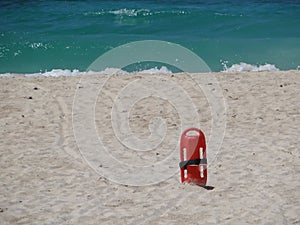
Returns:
point(107, 71)
point(245, 67)
point(134, 12)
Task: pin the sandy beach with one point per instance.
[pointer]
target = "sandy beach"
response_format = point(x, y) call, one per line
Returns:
point(47, 178)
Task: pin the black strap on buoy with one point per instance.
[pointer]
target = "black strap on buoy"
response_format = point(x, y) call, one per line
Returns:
point(186, 163)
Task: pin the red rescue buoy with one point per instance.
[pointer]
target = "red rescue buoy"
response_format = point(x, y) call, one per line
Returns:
point(193, 165)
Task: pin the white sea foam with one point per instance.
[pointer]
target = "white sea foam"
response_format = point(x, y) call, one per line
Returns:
point(162, 70)
point(36, 45)
point(134, 12)
point(107, 71)
point(52, 73)
point(55, 73)
point(113, 71)
point(123, 12)
point(130, 12)
point(241, 67)
point(245, 67)
point(6, 75)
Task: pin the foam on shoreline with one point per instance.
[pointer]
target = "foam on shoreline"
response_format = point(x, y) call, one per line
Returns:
point(241, 67)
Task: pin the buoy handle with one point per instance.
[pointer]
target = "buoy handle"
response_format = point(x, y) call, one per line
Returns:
point(198, 131)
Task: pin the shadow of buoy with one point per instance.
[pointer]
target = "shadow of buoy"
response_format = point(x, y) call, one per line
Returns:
point(208, 187)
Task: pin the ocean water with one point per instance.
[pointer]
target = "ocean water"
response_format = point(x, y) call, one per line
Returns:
point(41, 36)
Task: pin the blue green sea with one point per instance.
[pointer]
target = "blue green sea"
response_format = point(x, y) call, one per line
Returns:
point(41, 36)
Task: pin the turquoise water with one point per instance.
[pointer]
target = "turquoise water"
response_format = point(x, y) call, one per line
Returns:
point(38, 36)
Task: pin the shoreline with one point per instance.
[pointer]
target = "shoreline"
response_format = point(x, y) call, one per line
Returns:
point(235, 68)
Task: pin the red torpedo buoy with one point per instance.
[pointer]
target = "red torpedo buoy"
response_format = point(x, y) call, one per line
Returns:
point(193, 165)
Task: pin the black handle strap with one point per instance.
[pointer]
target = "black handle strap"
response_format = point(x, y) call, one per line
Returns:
point(186, 163)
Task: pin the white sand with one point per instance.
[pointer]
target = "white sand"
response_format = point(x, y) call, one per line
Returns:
point(255, 175)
